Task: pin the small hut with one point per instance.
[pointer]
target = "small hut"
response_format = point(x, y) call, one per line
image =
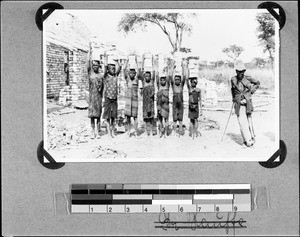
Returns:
point(66, 42)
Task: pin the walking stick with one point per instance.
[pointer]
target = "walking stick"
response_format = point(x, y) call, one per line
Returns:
point(227, 121)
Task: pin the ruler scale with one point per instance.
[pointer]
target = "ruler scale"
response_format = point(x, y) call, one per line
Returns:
point(156, 198)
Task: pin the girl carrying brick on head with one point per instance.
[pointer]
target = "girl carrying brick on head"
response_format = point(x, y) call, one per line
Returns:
point(163, 85)
point(177, 82)
point(148, 92)
point(131, 94)
point(95, 96)
point(110, 79)
point(195, 103)
point(148, 100)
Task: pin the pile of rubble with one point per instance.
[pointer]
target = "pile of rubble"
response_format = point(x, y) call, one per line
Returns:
point(102, 152)
point(59, 136)
point(208, 124)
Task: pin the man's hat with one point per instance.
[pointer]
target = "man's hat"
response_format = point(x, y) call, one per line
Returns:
point(240, 66)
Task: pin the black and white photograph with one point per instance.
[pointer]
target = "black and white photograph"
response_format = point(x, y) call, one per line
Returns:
point(161, 85)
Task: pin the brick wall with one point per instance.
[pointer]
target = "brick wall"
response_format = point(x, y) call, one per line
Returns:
point(56, 77)
point(78, 74)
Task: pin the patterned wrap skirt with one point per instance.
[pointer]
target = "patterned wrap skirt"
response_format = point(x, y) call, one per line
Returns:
point(95, 98)
point(148, 103)
point(131, 102)
point(110, 108)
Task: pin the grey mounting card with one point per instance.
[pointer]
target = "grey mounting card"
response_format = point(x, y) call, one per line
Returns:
point(34, 197)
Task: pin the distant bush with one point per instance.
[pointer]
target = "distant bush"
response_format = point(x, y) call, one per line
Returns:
point(223, 75)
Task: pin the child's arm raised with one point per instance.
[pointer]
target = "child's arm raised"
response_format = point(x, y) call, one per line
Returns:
point(88, 61)
point(118, 68)
point(183, 80)
point(184, 76)
point(188, 82)
point(171, 74)
point(154, 76)
point(200, 102)
point(105, 71)
point(169, 79)
point(157, 80)
point(140, 74)
point(103, 89)
point(125, 70)
point(100, 86)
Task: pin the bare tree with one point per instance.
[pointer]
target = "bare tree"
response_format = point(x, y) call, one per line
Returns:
point(173, 25)
point(233, 52)
point(266, 32)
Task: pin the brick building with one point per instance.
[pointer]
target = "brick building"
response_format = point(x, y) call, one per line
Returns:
point(66, 41)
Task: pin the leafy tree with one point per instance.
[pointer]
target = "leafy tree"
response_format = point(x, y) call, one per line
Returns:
point(258, 62)
point(192, 57)
point(266, 32)
point(233, 51)
point(173, 25)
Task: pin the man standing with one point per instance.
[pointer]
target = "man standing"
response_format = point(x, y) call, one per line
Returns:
point(242, 88)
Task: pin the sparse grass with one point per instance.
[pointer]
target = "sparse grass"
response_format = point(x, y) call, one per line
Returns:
point(223, 75)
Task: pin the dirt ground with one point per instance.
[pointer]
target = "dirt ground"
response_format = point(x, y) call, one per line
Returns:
point(68, 137)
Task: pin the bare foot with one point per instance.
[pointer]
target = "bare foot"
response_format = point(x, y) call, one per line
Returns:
point(248, 143)
point(93, 135)
point(134, 134)
point(162, 132)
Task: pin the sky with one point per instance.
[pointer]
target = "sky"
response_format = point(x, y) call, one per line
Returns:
point(212, 30)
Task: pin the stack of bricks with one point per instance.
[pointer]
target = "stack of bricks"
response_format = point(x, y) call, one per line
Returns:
point(64, 96)
point(193, 68)
point(177, 57)
point(210, 95)
point(162, 65)
point(148, 60)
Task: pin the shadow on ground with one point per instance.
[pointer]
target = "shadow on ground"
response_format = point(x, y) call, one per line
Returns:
point(236, 137)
